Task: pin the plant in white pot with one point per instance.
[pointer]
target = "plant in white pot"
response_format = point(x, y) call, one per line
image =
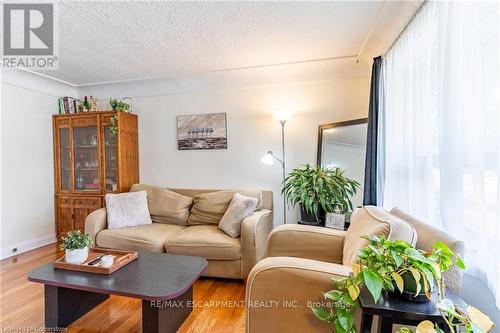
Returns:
point(76, 246)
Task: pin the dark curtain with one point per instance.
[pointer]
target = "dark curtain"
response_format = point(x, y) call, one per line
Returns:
point(370, 186)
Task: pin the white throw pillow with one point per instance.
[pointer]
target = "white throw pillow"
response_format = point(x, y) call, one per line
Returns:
point(127, 209)
point(239, 208)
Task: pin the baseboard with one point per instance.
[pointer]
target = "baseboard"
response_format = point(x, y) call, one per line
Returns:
point(27, 245)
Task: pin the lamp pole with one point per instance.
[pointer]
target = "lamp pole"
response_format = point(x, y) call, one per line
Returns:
point(283, 122)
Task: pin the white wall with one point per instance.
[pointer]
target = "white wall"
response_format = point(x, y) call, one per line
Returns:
point(27, 181)
point(27, 103)
point(252, 131)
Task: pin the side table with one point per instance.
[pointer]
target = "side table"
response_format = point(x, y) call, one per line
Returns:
point(393, 310)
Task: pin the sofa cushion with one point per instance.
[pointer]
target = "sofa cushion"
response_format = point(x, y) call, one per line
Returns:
point(149, 237)
point(208, 208)
point(206, 241)
point(166, 206)
point(239, 208)
point(370, 221)
point(127, 209)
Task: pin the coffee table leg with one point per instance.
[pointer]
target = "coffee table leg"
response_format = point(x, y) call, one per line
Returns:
point(166, 316)
point(63, 306)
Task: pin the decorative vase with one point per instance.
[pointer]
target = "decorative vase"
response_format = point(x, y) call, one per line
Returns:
point(77, 256)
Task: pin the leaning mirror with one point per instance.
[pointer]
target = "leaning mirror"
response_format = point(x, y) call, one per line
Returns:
point(343, 145)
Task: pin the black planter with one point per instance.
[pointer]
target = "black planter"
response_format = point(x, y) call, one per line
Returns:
point(308, 218)
point(410, 289)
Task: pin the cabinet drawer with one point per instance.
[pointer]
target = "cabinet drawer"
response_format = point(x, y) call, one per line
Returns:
point(64, 201)
point(84, 121)
point(62, 121)
point(93, 202)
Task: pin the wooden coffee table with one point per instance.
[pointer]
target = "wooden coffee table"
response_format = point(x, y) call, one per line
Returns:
point(164, 282)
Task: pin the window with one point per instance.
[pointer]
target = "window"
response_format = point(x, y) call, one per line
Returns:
point(441, 127)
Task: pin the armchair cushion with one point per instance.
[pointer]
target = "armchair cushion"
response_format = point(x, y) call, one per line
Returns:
point(371, 220)
point(318, 243)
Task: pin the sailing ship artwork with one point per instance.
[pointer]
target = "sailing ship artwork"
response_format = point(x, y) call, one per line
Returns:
point(202, 131)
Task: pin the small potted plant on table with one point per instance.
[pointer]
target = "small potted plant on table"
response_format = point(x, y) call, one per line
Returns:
point(390, 266)
point(76, 246)
point(316, 189)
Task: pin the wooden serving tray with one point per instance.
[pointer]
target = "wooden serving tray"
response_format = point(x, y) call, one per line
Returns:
point(122, 258)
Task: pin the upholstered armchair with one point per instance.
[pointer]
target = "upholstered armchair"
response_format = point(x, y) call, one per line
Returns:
point(302, 260)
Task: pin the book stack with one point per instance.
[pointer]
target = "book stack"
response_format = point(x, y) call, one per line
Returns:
point(68, 105)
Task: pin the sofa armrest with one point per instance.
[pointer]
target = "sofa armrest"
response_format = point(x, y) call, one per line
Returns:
point(309, 242)
point(255, 229)
point(280, 290)
point(96, 222)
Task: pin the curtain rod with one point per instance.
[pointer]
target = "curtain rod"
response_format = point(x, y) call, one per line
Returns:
point(419, 9)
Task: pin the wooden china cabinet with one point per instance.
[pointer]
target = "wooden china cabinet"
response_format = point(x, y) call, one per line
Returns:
point(90, 161)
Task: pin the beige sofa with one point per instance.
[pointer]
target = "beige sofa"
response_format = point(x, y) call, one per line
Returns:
point(186, 222)
point(302, 260)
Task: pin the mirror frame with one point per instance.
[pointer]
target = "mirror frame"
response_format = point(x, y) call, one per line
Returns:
point(323, 127)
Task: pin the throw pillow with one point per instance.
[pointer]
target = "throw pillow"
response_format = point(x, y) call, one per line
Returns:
point(239, 208)
point(208, 208)
point(166, 206)
point(127, 209)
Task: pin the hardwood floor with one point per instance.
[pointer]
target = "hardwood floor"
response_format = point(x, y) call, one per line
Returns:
point(21, 302)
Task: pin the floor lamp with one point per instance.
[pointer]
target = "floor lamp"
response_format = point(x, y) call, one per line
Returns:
point(269, 157)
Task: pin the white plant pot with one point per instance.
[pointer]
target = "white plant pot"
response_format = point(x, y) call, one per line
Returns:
point(77, 256)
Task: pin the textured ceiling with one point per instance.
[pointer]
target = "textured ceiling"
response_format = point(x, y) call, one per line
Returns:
point(114, 41)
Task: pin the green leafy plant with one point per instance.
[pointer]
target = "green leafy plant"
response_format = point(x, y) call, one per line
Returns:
point(385, 265)
point(319, 187)
point(113, 129)
point(119, 106)
point(75, 240)
point(343, 301)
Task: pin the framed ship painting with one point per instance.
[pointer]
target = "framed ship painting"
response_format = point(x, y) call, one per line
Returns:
point(202, 131)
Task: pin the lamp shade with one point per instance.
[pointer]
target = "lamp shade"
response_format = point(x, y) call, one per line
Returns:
point(282, 115)
point(267, 159)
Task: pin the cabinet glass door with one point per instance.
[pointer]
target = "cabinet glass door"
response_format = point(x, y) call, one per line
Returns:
point(110, 160)
point(65, 158)
point(86, 151)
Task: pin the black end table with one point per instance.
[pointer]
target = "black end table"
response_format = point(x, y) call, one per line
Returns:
point(164, 282)
point(393, 310)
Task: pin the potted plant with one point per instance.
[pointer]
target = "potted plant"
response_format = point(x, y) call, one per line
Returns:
point(382, 268)
point(76, 246)
point(316, 189)
point(119, 106)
